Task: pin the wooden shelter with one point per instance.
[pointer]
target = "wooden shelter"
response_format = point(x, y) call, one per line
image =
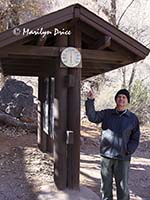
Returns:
point(25, 53)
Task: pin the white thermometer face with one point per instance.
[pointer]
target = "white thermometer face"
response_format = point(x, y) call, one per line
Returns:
point(71, 57)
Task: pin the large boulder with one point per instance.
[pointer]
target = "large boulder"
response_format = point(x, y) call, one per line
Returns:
point(17, 102)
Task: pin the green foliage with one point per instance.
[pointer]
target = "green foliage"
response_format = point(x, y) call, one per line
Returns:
point(140, 102)
point(139, 93)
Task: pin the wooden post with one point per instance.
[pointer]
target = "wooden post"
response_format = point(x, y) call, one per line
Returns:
point(41, 136)
point(60, 156)
point(50, 140)
point(73, 117)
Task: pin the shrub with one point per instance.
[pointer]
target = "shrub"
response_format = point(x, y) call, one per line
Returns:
point(140, 102)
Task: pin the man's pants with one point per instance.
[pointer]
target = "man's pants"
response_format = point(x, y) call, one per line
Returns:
point(119, 169)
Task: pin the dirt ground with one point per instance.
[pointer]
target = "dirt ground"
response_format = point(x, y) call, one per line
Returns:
point(24, 169)
point(139, 176)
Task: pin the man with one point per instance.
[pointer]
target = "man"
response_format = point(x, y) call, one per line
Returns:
point(120, 138)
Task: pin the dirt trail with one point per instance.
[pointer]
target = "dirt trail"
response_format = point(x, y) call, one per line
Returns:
point(139, 176)
point(24, 169)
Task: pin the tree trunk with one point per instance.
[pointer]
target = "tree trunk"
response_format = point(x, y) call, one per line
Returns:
point(132, 76)
point(124, 77)
point(113, 12)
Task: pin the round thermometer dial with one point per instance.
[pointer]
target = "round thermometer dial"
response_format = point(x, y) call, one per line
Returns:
point(71, 57)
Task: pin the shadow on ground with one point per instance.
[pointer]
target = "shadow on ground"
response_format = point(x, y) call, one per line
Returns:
point(13, 182)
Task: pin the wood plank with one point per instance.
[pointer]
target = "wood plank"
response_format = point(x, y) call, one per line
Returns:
point(21, 73)
point(105, 44)
point(101, 70)
point(9, 38)
point(124, 52)
point(26, 71)
point(51, 131)
point(103, 55)
point(25, 61)
point(49, 143)
point(53, 52)
point(89, 30)
point(96, 69)
point(60, 156)
point(37, 67)
point(88, 40)
point(42, 136)
point(41, 40)
point(73, 117)
point(60, 151)
point(100, 62)
point(30, 51)
point(102, 43)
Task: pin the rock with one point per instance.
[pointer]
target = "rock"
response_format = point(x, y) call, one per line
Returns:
point(17, 102)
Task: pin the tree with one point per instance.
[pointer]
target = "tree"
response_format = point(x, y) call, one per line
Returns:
point(15, 12)
point(136, 30)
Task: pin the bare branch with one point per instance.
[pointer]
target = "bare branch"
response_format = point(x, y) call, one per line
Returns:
point(124, 77)
point(124, 12)
point(145, 78)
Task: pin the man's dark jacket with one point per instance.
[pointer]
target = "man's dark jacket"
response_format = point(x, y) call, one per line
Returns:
point(120, 133)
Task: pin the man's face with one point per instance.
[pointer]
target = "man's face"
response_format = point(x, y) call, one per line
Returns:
point(121, 100)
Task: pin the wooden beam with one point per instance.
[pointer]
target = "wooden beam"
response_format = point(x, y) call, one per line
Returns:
point(41, 40)
point(6, 71)
point(41, 52)
point(96, 69)
point(28, 67)
point(106, 44)
point(102, 43)
point(92, 69)
point(103, 56)
point(88, 75)
point(26, 71)
point(51, 62)
point(88, 40)
point(123, 51)
point(30, 51)
point(100, 62)
point(88, 30)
